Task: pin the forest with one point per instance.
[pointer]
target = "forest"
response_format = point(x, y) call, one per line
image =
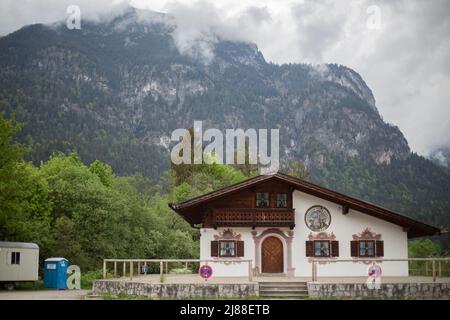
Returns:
point(86, 213)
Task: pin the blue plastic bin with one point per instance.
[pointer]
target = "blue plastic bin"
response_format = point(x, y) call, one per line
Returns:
point(55, 273)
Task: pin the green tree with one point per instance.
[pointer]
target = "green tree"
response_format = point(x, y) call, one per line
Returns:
point(298, 169)
point(97, 215)
point(103, 171)
point(85, 211)
point(423, 248)
point(24, 205)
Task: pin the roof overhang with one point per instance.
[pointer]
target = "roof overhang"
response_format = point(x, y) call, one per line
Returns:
point(189, 209)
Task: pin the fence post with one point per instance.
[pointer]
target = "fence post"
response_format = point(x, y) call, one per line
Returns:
point(124, 269)
point(131, 269)
point(426, 267)
point(115, 268)
point(313, 271)
point(104, 269)
point(161, 269)
point(440, 269)
point(434, 270)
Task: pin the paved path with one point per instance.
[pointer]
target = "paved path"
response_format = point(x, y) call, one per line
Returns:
point(43, 295)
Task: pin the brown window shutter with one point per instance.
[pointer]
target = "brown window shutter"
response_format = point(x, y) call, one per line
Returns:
point(379, 249)
point(354, 248)
point(310, 248)
point(335, 248)
point(214, 248)
point(239, 248)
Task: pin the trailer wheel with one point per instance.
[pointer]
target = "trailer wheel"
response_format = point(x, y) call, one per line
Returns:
point(10, 286)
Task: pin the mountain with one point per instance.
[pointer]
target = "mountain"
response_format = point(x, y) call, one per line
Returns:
point(116, 90)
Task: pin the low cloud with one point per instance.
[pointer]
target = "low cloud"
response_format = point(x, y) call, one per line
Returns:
point(15, 14)
point(198, 27)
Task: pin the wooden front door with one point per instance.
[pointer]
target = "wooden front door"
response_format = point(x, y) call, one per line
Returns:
point(272, 255)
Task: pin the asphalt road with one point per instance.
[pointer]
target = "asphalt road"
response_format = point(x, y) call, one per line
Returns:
point(43, 295)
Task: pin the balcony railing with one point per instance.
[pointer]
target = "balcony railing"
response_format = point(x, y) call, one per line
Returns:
point(254, 217)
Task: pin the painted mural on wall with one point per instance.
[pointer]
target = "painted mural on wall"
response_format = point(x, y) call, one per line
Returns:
point(317, 218)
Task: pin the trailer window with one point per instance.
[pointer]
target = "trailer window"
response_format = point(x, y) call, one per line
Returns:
point(15, 257)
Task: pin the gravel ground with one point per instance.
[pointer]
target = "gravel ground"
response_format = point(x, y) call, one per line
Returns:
point(43, 295)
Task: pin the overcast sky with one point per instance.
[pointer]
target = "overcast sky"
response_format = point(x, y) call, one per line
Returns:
point(400, 47)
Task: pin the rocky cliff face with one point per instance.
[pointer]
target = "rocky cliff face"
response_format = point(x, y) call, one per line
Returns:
point(128, 75)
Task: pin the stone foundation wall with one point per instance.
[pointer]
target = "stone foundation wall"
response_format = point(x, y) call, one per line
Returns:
point(397, 290)
point(155, 290)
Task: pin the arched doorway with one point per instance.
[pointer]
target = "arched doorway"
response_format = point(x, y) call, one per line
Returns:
point(272, 255)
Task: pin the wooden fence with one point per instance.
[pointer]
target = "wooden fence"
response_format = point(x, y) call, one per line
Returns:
point(163, 265)
point(438, 266)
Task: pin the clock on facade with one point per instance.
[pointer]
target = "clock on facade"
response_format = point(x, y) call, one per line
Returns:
point(317, 218)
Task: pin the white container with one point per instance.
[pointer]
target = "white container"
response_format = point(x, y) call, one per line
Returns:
point(19, 261)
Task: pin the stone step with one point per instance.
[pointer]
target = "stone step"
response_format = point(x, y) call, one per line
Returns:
point(286, 298)
point(303, 286)
point(283, 283)
point(279, 290)
point(275, 290)
point(294, 290)
point(284, 295)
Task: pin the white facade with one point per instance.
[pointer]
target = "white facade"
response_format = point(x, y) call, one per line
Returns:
point(23, 266)
point(343, 227)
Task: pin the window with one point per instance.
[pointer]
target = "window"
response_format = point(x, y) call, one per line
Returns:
point(281, 200)
point(321, 248)
point(15, 257)
point(227, 248)
point(366, 248)
point(262, 200)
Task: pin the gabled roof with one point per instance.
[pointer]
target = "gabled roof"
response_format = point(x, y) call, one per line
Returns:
point(414, 228)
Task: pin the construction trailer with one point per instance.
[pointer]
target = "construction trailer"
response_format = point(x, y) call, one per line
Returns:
point(19, 262)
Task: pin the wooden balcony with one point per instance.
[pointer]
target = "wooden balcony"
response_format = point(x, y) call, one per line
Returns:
point(254, 217)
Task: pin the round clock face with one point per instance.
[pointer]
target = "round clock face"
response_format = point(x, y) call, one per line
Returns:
point(317, 218)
